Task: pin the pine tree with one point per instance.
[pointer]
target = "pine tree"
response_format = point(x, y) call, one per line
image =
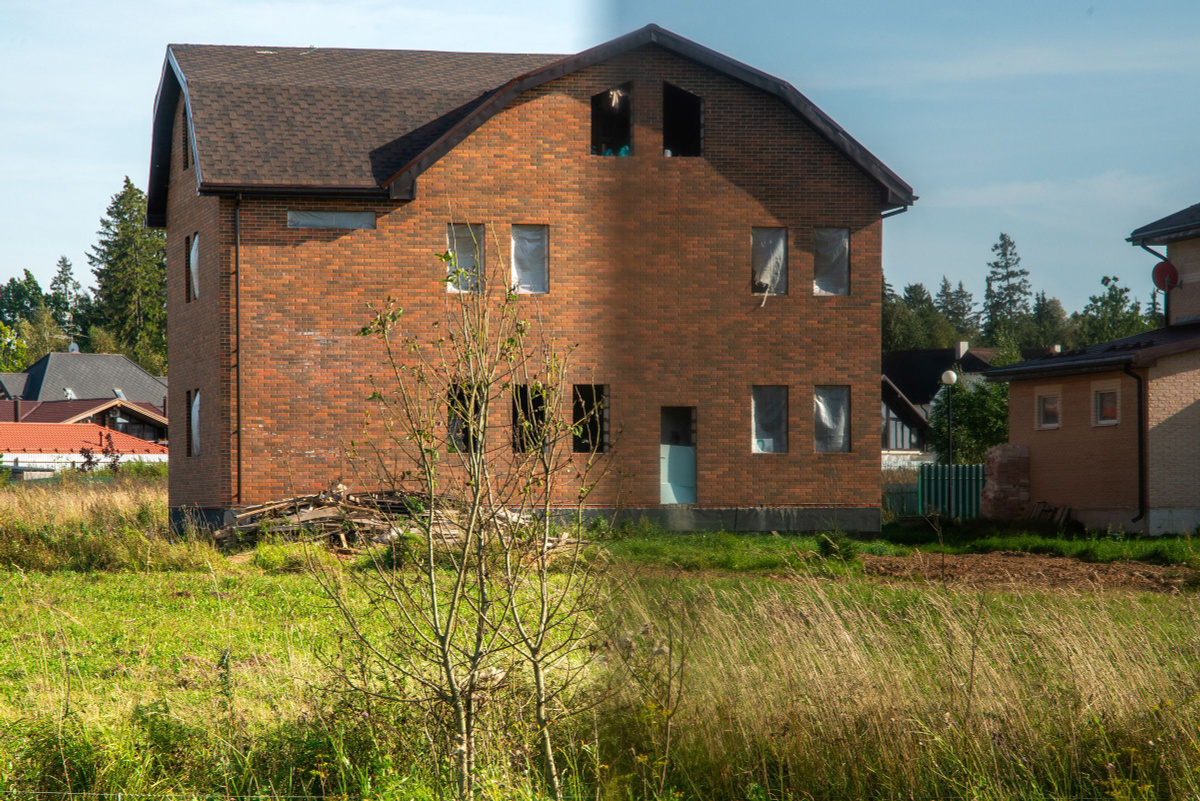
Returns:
point(958, 307)
point(1049, 324)
point(899, 324)
point(129, 263)
point(933, 329)
point(1006, 301)
point(64, 293)
point(19, 298)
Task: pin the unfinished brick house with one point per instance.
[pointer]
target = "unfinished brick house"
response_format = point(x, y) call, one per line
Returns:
point(1113, 430)
point(655, 194)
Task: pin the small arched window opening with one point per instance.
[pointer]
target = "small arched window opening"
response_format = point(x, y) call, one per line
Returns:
point(683, 122)
point(612, 122)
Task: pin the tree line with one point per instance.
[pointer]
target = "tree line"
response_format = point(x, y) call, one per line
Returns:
point(126, 314)
point(1012, 314)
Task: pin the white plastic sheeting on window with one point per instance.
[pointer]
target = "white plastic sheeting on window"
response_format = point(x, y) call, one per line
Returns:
point(768, 260)
point(770, 419)
point(531, 259)
point(831, 407)
point(466, 243)
point(831, 261)
point(332, 219)
point(194, 266)
point(195, 420)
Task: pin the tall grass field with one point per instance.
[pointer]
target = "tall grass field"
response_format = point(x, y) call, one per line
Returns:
point(135, 661)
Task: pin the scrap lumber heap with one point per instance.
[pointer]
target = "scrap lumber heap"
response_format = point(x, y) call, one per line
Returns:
point(342, 517)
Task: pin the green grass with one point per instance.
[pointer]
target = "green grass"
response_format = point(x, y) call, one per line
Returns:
point(1093, 546)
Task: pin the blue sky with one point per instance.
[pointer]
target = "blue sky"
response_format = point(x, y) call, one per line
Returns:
point(1065, 124)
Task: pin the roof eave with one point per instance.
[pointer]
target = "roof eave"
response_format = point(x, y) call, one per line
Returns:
point(171, 86)
point(1107, 364)
point(1164, 236)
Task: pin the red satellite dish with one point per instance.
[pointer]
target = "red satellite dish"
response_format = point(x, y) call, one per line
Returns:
point(1165, 275)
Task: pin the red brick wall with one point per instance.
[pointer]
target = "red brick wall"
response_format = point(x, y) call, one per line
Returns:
point(1092, 469)
point(199, 342)
point(649, 275)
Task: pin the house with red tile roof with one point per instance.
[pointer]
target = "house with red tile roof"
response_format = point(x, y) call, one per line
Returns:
point(37, 447)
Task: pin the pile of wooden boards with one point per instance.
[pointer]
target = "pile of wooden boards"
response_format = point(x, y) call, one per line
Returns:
point(1059, 515)
point(343, 517)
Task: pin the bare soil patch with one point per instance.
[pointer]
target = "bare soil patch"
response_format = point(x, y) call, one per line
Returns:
point(1026, 570)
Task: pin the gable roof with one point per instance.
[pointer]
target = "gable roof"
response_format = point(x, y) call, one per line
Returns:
point(366, 123)
point(917, 374)
point(910, 414)
point(13, 384)
point(91, 375)
point(72, 411)
point(70, 438)
point(1183, 224)
point(1139, 350)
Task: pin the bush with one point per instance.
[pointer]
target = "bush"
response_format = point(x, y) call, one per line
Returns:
point(837, 545)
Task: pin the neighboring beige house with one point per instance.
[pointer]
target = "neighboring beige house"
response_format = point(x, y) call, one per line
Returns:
point(1113, 430)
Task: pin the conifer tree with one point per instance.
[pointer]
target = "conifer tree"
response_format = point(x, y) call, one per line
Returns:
point(129, 263)
point(1006, 301)
point(64, 293)
point(958, 306)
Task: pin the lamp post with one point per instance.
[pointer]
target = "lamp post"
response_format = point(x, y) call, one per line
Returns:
point(949, 379)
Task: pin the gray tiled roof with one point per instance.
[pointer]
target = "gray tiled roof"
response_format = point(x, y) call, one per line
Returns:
point(1139, 350)
point(1183, 224)
point(91, 375)
point(13, 384)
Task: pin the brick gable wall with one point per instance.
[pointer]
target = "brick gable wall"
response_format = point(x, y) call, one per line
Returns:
point(649, 276)
point(1174, 440)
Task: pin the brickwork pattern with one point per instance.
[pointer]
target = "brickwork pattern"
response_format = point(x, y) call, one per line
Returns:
point(1185, 299)
point(1173, 412)
point(1006, 492)
point(1092, 469)
point(649, 276)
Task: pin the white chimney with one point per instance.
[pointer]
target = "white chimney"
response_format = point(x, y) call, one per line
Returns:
point(960, 350)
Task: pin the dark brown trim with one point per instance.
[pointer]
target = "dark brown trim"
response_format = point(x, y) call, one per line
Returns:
point(293, 190)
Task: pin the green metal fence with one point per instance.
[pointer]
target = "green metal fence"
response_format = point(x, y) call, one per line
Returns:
point(954, 492)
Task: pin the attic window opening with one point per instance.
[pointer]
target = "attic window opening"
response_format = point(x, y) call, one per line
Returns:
point(350, 220)
point(683, 123)
point(612, 122)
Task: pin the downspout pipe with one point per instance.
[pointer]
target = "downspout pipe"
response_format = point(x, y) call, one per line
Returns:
point(1141, 444)
point(1167, 291)
point(237, 326)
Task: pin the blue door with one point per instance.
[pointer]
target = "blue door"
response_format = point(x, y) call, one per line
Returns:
point(677, 455)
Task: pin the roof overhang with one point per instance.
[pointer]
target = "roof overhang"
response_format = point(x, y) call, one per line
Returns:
point(895, 193)
point(912, 416)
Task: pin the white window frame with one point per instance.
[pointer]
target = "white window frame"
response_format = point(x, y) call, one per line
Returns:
point(528, 287)
point(1098, 388)
point(1039, 393)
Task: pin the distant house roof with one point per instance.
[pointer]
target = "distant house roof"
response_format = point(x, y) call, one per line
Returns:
point(1139, 350)
point(1183, 224)
point(69, 438)
point(365, 123)
point(917, 374)
point(912, 416)
point(89, 376)
point(72, 411)
point(13, 384)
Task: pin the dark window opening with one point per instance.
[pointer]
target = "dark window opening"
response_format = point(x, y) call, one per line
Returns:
point(187, 269)
point(184, 138)
point(590, 419)
point(187, 426)
point(464, 422)
point(529, 418)
point(612, 122)
point(683, 122)
point(678, 425)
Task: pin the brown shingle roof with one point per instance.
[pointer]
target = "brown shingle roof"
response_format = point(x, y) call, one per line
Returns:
point(325, 122)
point(325, 116)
